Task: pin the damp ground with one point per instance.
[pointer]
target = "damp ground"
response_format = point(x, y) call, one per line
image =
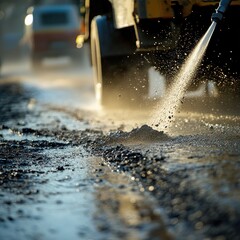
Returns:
point(70, 170)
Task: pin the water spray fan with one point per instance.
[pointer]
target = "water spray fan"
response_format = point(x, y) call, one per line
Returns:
point(218, 15)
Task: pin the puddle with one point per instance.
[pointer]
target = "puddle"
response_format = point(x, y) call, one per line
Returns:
point(125, 213)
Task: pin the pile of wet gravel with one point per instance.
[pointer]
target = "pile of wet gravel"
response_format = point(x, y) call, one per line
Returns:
point(143, 134)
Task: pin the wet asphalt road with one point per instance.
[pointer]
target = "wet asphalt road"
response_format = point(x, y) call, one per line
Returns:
point(69, 170)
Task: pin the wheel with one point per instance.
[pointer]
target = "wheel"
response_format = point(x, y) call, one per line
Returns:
point(120, 76)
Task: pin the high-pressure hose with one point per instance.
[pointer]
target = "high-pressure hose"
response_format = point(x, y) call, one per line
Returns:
point(218, 15)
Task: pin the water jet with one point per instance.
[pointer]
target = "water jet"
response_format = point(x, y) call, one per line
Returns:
point(174, 96)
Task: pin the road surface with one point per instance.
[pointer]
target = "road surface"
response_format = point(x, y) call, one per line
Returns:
point(71, 170)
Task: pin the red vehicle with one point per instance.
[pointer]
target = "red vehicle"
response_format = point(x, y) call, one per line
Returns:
point(53, 30)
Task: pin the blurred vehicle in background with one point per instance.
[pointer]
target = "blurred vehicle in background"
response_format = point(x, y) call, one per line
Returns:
point(51, 31)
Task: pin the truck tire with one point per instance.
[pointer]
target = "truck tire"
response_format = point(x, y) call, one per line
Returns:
point(120, 76)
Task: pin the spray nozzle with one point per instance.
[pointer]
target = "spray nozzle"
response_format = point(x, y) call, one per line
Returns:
point(218, 15)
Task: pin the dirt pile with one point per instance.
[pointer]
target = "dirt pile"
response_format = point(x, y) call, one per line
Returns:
point(143, 134)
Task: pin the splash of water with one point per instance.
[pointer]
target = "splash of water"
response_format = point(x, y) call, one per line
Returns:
point(166, 110)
